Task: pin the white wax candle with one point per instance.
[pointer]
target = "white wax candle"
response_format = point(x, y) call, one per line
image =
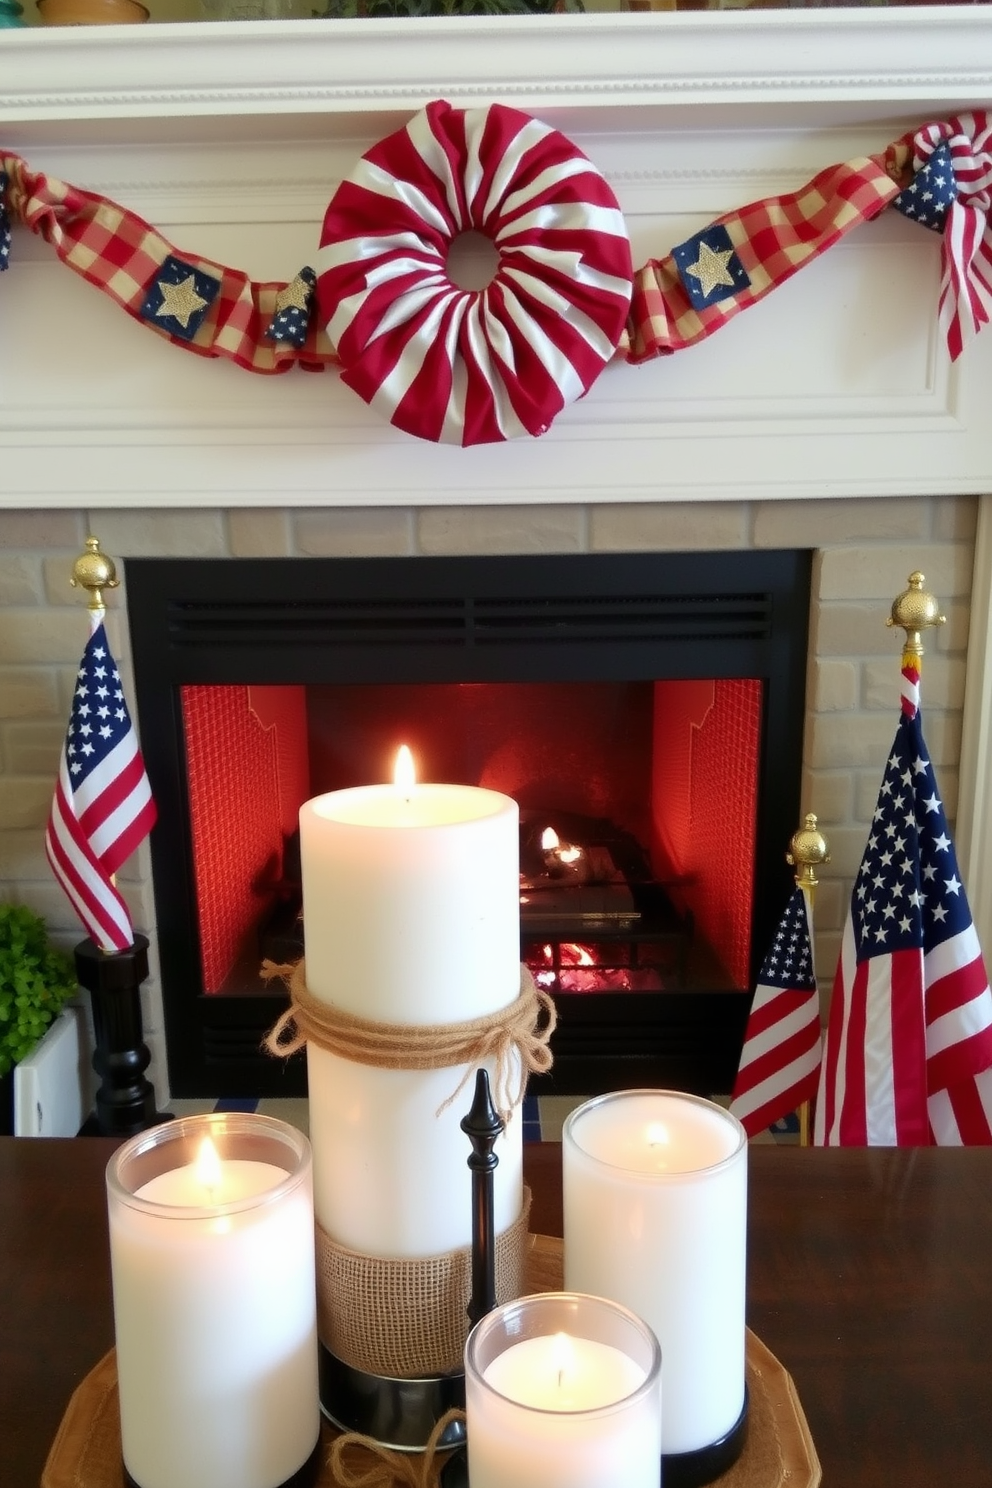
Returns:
point(561, 1373)
point(411, 901)
point(215, 1316)
point(391, 1174)
point(561, 1410)
point(655, 1216)
point(411, 915)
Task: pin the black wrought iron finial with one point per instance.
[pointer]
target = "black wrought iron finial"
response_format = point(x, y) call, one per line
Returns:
point(482, 1126)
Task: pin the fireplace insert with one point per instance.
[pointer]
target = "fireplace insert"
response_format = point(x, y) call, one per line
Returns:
point(645, 710)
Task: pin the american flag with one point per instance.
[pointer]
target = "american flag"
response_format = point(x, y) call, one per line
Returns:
point(908, 1053)
point(781, 1054)
point(103, 806)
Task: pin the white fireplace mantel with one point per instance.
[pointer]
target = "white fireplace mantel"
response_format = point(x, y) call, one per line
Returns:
point(231, 137)
point(615, 71)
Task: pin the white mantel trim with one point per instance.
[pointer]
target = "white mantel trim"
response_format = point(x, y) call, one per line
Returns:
point(881, 60)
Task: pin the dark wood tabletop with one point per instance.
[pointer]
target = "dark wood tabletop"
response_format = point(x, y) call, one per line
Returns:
point(870, 1278)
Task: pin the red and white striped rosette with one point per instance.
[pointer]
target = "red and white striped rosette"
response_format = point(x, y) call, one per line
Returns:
point(461, 366)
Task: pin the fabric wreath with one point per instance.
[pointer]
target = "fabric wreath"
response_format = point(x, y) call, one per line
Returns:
point(462, 366)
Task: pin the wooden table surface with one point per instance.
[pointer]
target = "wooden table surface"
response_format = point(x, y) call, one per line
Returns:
point(870, 1278)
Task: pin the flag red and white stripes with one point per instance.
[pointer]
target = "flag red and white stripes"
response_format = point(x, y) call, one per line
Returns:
point(780, 1059)
point(908, 1053)
point(103, 807)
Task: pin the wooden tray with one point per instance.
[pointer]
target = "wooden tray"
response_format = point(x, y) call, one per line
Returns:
point(779, 1451)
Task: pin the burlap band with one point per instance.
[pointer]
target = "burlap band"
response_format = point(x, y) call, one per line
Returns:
point(405, 1318)
point(525, 1026)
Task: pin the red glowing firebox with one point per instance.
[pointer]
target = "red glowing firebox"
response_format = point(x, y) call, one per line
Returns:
point(637, 801)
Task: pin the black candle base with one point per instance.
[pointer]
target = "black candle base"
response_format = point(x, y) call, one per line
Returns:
point(693, 1469)
point(396, 1413)
point(306, 1476)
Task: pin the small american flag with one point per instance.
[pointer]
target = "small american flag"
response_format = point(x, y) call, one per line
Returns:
point(908, 1053)
point(103, 806)
point(781, 1054)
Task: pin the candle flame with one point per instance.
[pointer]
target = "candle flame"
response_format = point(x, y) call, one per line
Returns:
point(208, 1169)
point(404, 772)
point(562, 1357)
point(657, 1134)
point(549, 839)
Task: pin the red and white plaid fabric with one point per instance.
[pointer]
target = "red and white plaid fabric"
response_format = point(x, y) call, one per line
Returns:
point(966, 280)
point(120, 254)
point(773, 239)
point(461, 366)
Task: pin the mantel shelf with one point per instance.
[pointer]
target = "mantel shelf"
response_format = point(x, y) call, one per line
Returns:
point(606, 71)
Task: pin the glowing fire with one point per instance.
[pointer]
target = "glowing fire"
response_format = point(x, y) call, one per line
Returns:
point(577, 969)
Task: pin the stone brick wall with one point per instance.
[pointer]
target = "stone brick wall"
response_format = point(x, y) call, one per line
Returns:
point(865, 551)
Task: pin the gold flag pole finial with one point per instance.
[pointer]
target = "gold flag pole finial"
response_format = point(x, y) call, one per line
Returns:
point(915, 610)
point(94, 571)
point(807, 849)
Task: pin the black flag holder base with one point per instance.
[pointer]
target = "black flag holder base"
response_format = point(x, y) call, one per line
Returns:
point(125, 1100)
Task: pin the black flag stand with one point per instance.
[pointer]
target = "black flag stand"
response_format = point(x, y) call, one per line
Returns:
point(125, 1100)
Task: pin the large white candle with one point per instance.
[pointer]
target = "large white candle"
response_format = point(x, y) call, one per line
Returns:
point(214, 1303)
point(575, 1406)
point(655, 1216)
point(411, 915)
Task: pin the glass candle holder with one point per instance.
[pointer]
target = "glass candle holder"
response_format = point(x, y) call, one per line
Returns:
point(212, 1262)
point(655, 1216)
point(563, 1391)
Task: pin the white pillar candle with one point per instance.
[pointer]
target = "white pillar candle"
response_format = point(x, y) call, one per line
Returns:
point(563, 1391)
point(214, 1303)
point(655, 1216)
point(411, 915)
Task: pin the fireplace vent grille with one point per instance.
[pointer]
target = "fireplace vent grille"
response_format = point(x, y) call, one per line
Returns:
point(472, 621)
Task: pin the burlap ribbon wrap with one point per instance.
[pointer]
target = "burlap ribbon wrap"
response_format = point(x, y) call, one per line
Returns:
point(393, 1316)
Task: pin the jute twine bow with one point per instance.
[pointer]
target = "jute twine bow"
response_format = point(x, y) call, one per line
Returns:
point(389, 1468)
point(525, 1026)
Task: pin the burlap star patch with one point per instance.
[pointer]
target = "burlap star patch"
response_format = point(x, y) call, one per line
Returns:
point(709, 267)
point(178, 298)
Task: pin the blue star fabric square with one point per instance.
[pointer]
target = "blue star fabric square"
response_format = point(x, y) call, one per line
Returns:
point(709, 267)
point(931, 191)
point(178, 298)
point(4, 225)
point(294, 306)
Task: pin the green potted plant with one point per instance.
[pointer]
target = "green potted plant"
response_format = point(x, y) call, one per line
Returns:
point(36, 980)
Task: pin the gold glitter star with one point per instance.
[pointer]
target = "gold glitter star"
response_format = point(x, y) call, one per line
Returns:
point(711, 268)
point(296, 294)
point(180, 300)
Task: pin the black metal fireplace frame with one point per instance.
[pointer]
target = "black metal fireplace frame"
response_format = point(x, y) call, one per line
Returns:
point(630, 616)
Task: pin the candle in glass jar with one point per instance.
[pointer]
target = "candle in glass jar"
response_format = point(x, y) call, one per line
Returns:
point(411, 915)
point(563, 1409)
point(214, 1303)
point(655, 1216)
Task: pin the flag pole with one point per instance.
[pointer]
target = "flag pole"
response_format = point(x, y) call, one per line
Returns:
point(807, 849)
point(125, 1099)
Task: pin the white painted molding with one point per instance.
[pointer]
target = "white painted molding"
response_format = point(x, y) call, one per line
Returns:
point(973, 833)
point(620, 67)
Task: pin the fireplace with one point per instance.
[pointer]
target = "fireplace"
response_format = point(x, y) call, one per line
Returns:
point(646, 709)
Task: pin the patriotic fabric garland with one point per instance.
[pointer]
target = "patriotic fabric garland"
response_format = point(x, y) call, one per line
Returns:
point(472, 367)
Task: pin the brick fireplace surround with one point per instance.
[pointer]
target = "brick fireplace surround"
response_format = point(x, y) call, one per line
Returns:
point(825, 418)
